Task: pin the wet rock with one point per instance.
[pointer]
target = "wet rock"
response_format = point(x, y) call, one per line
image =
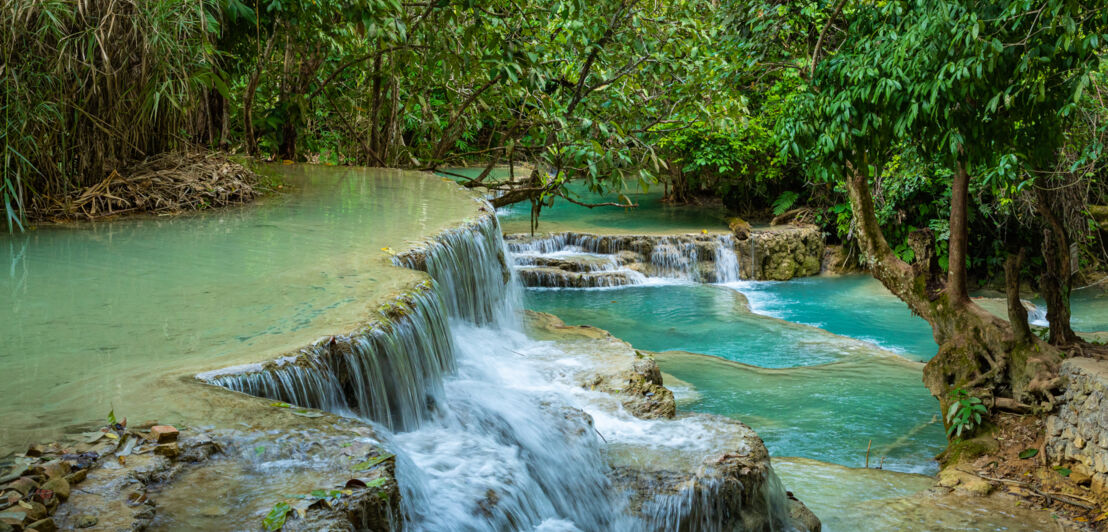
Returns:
point(76, 477)
point(163, 433)
point(44, 525)
point(782, 253)
point(23, 485)
point(59, 486)
point(168, 450)
point(85, 521)
point(739, 227)
point(802, 518)
point(645, 396)
point(730, 487)
point(55, 468)
point(36, 511)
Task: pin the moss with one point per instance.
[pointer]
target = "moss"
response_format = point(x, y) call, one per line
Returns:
point(961, 451)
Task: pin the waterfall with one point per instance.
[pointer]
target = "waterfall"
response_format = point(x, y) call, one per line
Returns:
point(487, 436)
point(469, 266)
point(727, 263)
point(564, 260)
point(384, 372)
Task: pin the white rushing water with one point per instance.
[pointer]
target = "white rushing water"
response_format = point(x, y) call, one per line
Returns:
point(574, 260)
point(492, 428)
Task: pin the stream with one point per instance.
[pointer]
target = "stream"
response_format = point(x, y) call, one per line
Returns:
point(488, 417)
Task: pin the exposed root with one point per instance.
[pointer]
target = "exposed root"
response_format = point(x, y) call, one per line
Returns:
point(167, 183)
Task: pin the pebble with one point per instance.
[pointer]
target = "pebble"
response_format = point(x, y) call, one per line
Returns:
point(59, 486)
point(163, 433)
point(45, 525)
point(85, 521)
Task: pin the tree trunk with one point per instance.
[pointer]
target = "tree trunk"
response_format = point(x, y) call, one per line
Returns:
point(1017, 314)
point(1055, 283)
point(977, 352)
point(251, 138)
point(959, 209)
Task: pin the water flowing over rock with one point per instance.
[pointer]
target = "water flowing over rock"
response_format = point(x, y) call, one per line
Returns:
point(494, 430)
point(580, 260)
point(384, 372)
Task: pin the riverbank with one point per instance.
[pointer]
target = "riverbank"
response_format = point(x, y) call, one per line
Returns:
point(166, 184)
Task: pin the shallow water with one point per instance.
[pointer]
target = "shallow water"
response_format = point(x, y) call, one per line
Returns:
point(699, 318)
point(102, 315)
point(828, 413)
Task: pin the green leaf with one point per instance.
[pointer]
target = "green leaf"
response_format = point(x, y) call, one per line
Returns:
point(276, 517)
point(111, 418)
point(280, 405)
point(369, 464)
point(1028, 453)
point(1065, 472)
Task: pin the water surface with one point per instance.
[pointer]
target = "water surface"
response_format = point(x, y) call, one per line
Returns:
point(97, 316)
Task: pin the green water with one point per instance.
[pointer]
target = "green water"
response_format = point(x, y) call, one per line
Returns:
point(109, 315)
point(651, 216)
point(830, 396)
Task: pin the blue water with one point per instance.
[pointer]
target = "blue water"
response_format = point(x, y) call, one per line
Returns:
point(816, 394)
point(853, 305)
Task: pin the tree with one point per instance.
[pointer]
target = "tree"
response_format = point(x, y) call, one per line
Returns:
point(974, 81)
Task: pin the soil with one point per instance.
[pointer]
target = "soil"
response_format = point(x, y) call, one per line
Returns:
point(1067, 494)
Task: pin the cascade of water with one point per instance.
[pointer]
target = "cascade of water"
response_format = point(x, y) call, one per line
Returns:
point(753, 259)
point(727, 263)
point(469, 265)
point(697, 258)
point(384, 372)
point(499, 445)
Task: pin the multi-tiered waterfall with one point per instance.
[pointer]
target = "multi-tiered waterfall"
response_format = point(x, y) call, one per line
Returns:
point(493, 430)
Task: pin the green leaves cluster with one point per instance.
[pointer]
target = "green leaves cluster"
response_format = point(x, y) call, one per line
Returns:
point(964, 413)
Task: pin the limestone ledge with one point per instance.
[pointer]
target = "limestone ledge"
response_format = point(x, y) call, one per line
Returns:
point(781, 253)
point(1077, 435)
point(775, 253)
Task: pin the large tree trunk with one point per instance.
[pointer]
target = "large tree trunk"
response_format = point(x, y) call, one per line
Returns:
point(977, 352)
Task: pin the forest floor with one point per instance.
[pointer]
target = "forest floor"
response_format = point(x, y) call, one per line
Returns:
point(1013, 461)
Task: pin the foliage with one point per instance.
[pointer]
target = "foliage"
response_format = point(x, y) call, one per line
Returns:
point(964, 414)
point(87, 87)
point(276, 517)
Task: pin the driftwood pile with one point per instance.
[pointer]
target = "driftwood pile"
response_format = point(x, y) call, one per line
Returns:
point(165, 184)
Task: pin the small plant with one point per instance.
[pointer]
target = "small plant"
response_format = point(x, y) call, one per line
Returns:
point(964, 414)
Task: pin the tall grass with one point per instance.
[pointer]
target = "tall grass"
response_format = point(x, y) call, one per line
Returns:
point(89, 86)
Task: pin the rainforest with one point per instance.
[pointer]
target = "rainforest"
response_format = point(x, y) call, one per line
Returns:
point(632, 265)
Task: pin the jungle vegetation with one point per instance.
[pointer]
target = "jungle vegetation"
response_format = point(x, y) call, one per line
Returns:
point(943, 142)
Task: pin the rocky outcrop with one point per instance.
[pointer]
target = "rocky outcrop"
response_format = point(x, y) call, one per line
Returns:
point(559, 278)
point(781, 253)
point(1077, 436)
point(724, 482)
point(132, 482)
point(732, 487)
